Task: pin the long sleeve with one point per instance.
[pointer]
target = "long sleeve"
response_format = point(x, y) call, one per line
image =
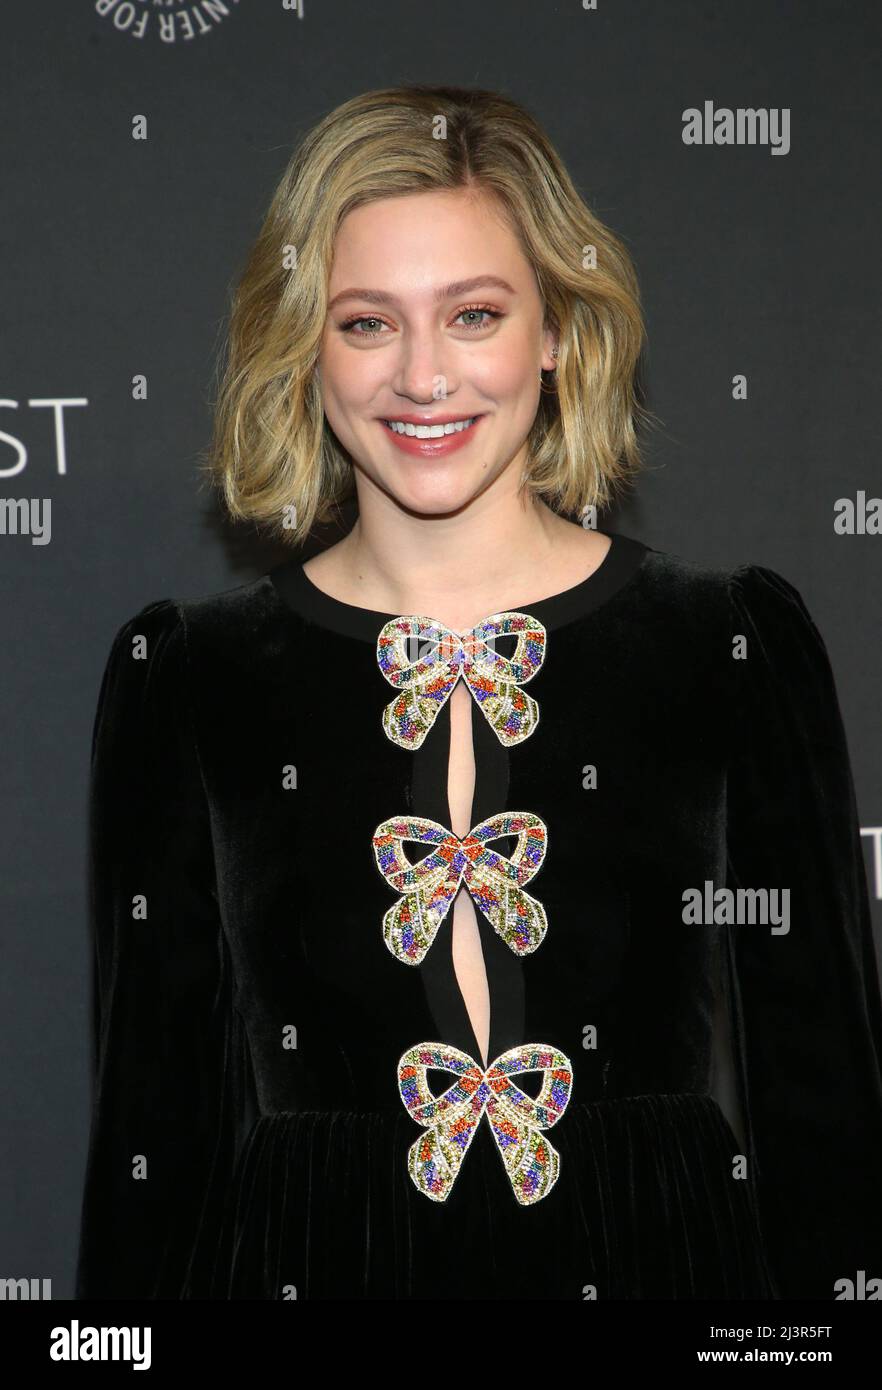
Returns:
point(805, 1002)
point(170, 1051)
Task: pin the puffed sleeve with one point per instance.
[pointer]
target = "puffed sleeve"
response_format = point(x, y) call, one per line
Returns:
point(169, 1099)
point(805, 1002)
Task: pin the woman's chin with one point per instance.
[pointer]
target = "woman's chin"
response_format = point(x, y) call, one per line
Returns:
point(436, 491)
point(434, 501)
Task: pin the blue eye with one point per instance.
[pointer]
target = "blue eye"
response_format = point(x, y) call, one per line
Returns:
point(368, 333)
point(479, 309)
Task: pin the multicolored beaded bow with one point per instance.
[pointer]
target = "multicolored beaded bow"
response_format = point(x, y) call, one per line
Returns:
point(516, 1119)
point(430, 885)
point(444, 655)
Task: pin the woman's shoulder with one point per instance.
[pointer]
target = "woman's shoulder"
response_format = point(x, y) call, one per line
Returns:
point(221, 635)
point(748, 584)
point(225, 611)
point(749, 614)
point(683, 570)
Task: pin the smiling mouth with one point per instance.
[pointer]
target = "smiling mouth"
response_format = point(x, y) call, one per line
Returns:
point(430, 431)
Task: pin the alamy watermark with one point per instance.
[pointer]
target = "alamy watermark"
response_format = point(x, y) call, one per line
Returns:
point(738, 907)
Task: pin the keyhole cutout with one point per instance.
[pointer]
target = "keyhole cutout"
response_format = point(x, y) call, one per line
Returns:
point(724, 1084)
point(468, 958)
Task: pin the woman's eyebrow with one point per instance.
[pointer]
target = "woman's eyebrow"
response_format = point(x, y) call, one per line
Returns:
point(443, 292)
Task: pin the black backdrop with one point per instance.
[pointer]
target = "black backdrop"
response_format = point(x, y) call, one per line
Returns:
point(116, 260)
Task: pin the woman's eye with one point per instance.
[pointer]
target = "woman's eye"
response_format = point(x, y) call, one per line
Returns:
point(366, 333)
point(477, 318)
point(367, 326)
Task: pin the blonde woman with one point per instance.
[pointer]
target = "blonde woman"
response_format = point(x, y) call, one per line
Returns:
point(439, 880)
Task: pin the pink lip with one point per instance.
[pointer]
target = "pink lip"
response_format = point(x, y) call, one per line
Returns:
point(430, 448)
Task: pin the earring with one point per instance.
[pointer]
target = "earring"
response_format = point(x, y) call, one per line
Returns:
point(554, 352)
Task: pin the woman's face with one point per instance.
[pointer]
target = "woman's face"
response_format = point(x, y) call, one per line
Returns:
point(434, 317)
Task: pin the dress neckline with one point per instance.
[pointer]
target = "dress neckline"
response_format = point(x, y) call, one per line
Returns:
point(622, 560)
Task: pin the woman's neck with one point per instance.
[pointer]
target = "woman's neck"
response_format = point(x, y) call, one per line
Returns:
point(459, 568)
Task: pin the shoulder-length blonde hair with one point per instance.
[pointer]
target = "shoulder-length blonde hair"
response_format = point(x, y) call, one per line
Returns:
point(273, 457)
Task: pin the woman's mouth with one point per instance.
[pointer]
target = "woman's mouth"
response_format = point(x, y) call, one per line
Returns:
point(431, 439)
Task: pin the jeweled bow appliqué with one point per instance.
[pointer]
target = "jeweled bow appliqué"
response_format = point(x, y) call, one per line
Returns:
point(430, 886)
point(516, 1119)
point(425, 676)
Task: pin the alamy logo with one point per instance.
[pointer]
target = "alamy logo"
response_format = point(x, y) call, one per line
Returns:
point(738, 906)
point(75, 1343)
point(25, 1290)
point(746, 125)
point(860, 1288)
point(24, 516)
point(861, 516)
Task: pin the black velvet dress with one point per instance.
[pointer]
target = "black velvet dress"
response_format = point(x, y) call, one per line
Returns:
point(290, 1099)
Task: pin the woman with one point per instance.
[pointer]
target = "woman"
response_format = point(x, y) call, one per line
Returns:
point(418, 869)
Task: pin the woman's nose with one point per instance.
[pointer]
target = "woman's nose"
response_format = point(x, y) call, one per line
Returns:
point(423, 370)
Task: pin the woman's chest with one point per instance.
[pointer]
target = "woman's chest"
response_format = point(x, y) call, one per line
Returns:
point(342, 854)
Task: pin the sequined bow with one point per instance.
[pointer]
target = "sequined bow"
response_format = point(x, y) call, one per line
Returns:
point(442, 656)
point(430, 885)
point(516, 1119)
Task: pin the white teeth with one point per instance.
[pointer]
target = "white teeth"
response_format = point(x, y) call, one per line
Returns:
point(429, 431)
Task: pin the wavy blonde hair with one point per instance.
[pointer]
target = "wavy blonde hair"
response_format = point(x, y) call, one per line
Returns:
point(273, 457)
